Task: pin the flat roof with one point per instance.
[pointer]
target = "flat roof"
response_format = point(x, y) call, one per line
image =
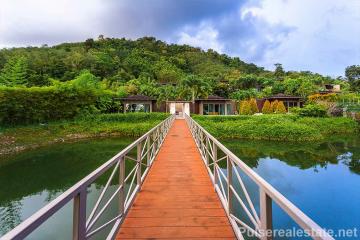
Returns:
point(138, 98)
point(283, 96)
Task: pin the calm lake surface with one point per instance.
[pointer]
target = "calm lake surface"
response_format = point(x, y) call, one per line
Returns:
point(30, 180)
point(322, 179)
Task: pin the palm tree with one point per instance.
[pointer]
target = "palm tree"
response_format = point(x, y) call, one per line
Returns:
point(196, 85)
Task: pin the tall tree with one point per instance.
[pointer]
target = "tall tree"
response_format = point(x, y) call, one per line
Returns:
point(279, 71)
point(352, 73)
point(15, 72)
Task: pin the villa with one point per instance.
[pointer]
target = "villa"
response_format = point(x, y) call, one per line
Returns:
point(212, 105)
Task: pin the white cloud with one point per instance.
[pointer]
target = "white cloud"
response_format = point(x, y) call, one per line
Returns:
point(326, 38)
point(317, 35)
point(204, 36)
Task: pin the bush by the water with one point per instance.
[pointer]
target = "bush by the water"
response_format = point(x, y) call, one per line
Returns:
point(276, 127)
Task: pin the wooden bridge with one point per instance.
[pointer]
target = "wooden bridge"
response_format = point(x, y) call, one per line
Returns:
point(176, 181)
point(177, 197)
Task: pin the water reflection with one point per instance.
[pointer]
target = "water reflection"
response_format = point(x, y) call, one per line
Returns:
point(321, 178)
point(304, 155)
point(29, 180)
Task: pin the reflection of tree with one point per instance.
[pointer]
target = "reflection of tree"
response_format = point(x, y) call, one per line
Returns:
point(353, 162)
point(303, 155)
point(10, 216)
point(354, 165)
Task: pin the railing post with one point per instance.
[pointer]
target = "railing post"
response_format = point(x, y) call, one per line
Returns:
point(122, 184)
point(79, 216)
point(138, 172)
point(206, 152)
point(265, 215)
point(148, 160)
point(229, 180)
point(216, 177)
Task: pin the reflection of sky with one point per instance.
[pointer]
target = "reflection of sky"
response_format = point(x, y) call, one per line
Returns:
point(330, 196)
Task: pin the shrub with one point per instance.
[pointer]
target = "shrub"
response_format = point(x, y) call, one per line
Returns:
point(310, 110)
point(245, 108)
point(19, 105)
point(253, 106)
point(274, 105)
point(280, 108)
point(323, 97)
point(266, 109)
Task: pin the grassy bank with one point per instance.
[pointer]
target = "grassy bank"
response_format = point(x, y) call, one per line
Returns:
point(277, 127)
point(20, 138)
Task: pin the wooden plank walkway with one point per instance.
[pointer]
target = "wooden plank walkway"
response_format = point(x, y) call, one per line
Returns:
point(177, 199)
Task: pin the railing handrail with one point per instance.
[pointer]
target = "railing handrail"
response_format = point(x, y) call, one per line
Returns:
point(34, 221)
point(294, 212)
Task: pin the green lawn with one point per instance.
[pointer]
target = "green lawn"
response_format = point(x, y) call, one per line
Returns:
point(282, 127)
point(19, 138)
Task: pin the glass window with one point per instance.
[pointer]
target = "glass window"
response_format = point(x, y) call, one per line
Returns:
point(137, 107)
point(222, 109)
point(214, 109)
point(217, 109)
point(228, 109)
point(211, 109)
point(206, 109)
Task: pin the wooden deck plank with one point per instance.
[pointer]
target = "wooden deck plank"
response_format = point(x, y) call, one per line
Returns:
point(177, 199)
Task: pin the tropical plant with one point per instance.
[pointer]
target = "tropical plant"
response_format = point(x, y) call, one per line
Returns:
point(15, 72)
point(195, 86)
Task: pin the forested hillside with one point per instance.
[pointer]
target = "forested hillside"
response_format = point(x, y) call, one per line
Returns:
point(73, 77)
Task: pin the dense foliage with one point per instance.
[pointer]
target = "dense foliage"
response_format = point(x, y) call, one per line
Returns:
point(155, 68)
point(83, 95)
point(276, 127)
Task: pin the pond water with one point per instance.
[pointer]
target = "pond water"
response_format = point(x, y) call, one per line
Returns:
point(322, 179)
point(30, 180)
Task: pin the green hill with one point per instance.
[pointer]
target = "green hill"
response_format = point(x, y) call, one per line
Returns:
point(149, 66)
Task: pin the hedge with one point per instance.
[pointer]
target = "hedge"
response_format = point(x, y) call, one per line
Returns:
point(19, 105)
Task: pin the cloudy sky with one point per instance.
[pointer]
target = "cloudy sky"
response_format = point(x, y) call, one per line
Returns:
point(317, 35)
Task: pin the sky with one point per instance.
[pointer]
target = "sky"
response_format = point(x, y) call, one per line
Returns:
point(317, 35)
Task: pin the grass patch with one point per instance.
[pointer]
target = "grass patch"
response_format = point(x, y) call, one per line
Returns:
point(19, 138)
point(281, 127)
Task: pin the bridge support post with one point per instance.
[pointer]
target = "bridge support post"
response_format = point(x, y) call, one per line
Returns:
point(122, 184)
point(138, 172)
point(265, 215)
point(79, 216)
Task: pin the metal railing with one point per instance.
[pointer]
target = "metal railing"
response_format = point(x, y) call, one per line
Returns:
point(230, 187)
point(145, 148)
